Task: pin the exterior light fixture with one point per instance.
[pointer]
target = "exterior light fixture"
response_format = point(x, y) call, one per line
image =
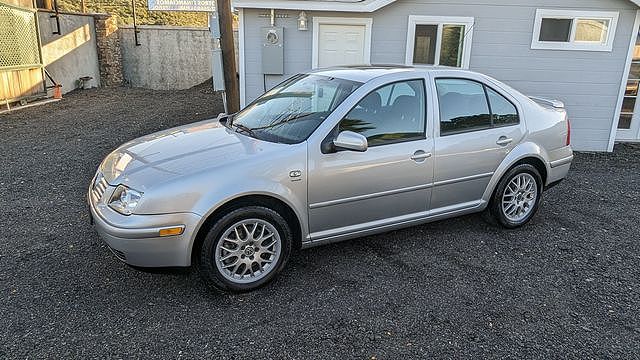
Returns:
point(302, 21)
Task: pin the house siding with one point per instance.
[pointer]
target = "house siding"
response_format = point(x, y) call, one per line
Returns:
point(588, 82)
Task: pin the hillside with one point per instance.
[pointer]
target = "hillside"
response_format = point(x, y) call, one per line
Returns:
point(122, 9)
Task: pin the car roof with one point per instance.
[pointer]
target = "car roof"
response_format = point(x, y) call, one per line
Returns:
point(365, 73)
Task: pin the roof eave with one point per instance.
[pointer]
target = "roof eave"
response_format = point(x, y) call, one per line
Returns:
point(362, 6)
point(319, 5)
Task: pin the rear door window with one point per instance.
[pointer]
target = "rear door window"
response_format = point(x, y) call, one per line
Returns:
point(463, 106)
point(467, 105)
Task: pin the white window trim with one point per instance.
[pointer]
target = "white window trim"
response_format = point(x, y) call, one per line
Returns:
point(414, 20)
point(607, 46)
point(317, 21)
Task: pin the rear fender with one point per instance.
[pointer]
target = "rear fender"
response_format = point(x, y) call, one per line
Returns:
point(522, 151)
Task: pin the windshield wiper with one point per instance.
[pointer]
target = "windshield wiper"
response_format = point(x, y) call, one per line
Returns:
point(283, 122)
point(245, 129)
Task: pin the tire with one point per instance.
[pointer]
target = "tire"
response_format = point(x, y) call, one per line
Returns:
point(521, 201)
point(237, 254)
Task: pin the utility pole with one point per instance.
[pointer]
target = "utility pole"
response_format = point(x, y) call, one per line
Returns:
point(227, 45)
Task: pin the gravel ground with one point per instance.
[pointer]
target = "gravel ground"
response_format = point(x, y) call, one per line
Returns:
point(567, 285)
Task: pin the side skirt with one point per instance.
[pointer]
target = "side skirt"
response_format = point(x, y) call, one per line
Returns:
point(381, 226)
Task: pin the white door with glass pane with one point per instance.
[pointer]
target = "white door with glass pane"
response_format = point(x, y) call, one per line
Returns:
point(629, 122)
point(341, 41)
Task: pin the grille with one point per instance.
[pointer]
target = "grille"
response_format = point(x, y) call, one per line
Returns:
point(19, 40)
point(99, 187)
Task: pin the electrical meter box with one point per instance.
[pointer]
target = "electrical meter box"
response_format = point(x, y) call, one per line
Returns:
point(273, 50)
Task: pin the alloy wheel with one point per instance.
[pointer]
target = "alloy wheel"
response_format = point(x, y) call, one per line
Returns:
point(519, 197)
point(248, 251)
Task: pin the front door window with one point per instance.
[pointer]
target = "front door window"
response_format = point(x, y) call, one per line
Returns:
point(393, 113)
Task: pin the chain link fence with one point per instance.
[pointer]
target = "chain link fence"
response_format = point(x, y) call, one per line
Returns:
point(19, 47)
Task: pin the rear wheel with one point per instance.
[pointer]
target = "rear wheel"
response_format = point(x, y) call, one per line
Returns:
point(245, 249)
point(517, 196)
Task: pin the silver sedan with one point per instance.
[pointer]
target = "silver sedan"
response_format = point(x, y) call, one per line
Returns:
point(327, 156)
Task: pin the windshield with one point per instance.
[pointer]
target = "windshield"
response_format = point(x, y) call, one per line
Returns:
point(291, 111)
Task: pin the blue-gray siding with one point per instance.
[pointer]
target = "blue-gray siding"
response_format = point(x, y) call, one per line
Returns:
point(588, 82)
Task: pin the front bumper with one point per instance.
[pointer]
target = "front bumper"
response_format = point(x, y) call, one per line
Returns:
point(134, 239)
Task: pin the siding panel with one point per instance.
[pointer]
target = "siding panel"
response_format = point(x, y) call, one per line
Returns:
point(588, 82)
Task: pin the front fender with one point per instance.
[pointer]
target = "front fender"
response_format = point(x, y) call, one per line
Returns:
point(296, 200)
point(294, 197)
point(521, 151)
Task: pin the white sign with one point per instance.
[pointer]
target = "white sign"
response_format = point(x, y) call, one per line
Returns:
point(182, 5)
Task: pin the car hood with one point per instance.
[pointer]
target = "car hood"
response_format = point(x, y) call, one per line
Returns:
point(166, 155)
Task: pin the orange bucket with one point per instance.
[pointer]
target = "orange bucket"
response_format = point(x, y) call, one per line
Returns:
point(57, 91)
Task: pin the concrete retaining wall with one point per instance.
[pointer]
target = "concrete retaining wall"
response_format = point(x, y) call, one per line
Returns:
point(167, 58)
point(72, 54)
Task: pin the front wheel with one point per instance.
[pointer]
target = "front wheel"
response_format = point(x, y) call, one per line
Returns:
point(517, 196)
point(245, 249)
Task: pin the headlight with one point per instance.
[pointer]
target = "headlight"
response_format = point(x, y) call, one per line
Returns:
point(124, 200)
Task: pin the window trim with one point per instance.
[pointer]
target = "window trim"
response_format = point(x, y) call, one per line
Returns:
point(440, 21)
point(486, 96)
point(572, 44)
point(426, 108)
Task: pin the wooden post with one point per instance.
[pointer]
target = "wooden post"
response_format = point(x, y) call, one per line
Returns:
point(232, 91)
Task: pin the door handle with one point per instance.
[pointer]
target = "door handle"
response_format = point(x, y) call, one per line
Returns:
point(504, 141)
point(420, 155)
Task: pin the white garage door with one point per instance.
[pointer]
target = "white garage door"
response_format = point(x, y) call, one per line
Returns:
point(341, 45)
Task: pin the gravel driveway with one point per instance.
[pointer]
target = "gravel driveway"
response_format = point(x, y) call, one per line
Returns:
point(567, 285)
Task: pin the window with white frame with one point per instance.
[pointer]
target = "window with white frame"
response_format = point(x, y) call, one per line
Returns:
point(439, 40)
point(574, 30)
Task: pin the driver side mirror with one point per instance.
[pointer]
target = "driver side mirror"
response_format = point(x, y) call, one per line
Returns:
point(349, 140)
point(223, 118)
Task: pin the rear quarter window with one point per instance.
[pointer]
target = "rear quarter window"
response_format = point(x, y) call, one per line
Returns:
point(503, 111)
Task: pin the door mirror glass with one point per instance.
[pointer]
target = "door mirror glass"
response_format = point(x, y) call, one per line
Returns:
point(223, 119)
point(348, 140)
